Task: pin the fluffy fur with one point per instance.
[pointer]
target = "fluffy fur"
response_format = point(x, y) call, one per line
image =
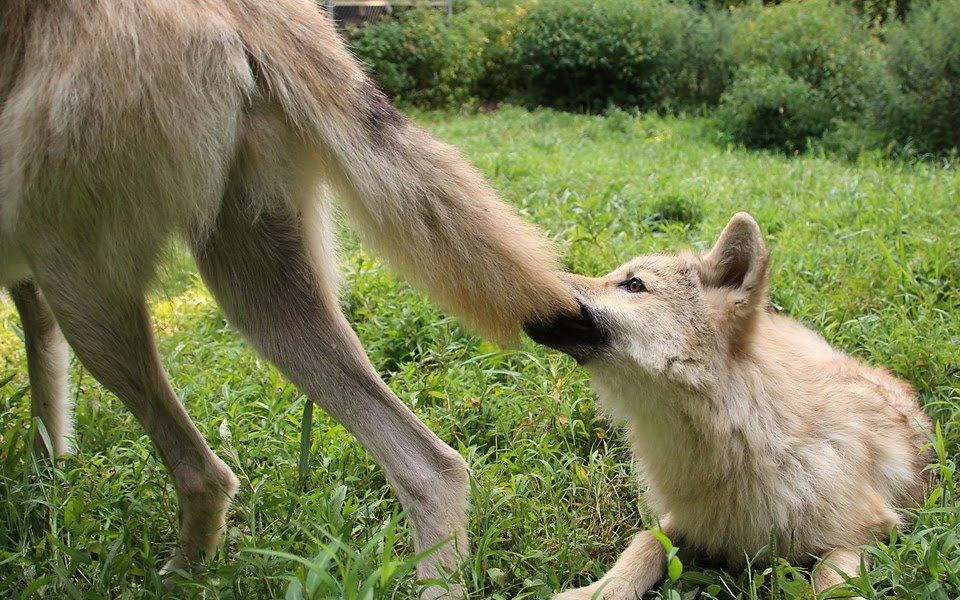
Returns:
point(233, 123)
point(741, 421)
point(129, 119)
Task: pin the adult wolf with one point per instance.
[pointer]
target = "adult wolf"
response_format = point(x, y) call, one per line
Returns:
point(232, 123)
point(744, 423)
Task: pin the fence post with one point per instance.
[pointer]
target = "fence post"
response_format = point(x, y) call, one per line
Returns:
point(331, 9)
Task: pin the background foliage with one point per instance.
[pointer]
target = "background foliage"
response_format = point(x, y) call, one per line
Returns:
point(581, 54)
point(803, 67)
point(419, 59)
point(767, 108)
point(921, 103)
point(891, 82)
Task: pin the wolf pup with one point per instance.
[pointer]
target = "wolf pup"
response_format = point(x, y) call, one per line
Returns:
point(744, 423)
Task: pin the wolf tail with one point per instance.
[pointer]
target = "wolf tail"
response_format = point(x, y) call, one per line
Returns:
point(414, 200)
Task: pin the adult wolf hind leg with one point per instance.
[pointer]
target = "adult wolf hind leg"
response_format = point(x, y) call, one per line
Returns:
point(108, 328)
point(270, 286)
point(47, 361)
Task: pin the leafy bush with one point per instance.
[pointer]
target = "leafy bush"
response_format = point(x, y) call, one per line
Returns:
point(767, 108)
point(876, 11)
point(498, 23)
point(578, 54)
point(418, 58)
point(819, 42)
point(921, 99)
point(851, 140)
point(784, 74)
point(713, 66)
point(677, 209)
point(879, 11)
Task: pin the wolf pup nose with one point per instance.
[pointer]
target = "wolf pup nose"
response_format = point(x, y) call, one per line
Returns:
point(581, 336)
point(742, 421)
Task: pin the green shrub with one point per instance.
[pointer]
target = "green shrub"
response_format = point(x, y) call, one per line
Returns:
point(880, 11)
point(676, 209)
point(819, 42)
point(767, 108)
point(579, 54)
point(850, 140)
point(921, 99)
point(419, 58)
point(498, 23)
point(712, 65)
point(875, 11)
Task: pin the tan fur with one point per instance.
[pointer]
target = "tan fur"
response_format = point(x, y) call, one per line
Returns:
point(742, 421)
point(47, 365)
point(236, 124)
point(141, 107)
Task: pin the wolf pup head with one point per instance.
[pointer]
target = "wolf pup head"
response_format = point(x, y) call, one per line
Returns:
point(668, 318)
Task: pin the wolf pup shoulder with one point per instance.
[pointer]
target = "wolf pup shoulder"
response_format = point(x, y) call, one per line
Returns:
point(742, 421)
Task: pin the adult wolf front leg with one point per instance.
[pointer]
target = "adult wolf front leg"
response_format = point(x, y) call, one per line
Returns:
point(123, 123)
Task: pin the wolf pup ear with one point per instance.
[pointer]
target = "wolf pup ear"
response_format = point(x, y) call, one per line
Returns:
point(737, 263)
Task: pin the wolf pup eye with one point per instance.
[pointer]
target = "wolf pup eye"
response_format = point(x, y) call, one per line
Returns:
point(634, 285)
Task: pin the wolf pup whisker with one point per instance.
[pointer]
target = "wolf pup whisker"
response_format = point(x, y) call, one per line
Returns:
point(742, 421)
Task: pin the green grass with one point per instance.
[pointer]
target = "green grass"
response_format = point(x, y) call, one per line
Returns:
point(867, 252)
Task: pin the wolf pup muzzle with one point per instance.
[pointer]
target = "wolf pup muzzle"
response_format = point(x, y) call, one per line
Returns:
point(580, 336)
